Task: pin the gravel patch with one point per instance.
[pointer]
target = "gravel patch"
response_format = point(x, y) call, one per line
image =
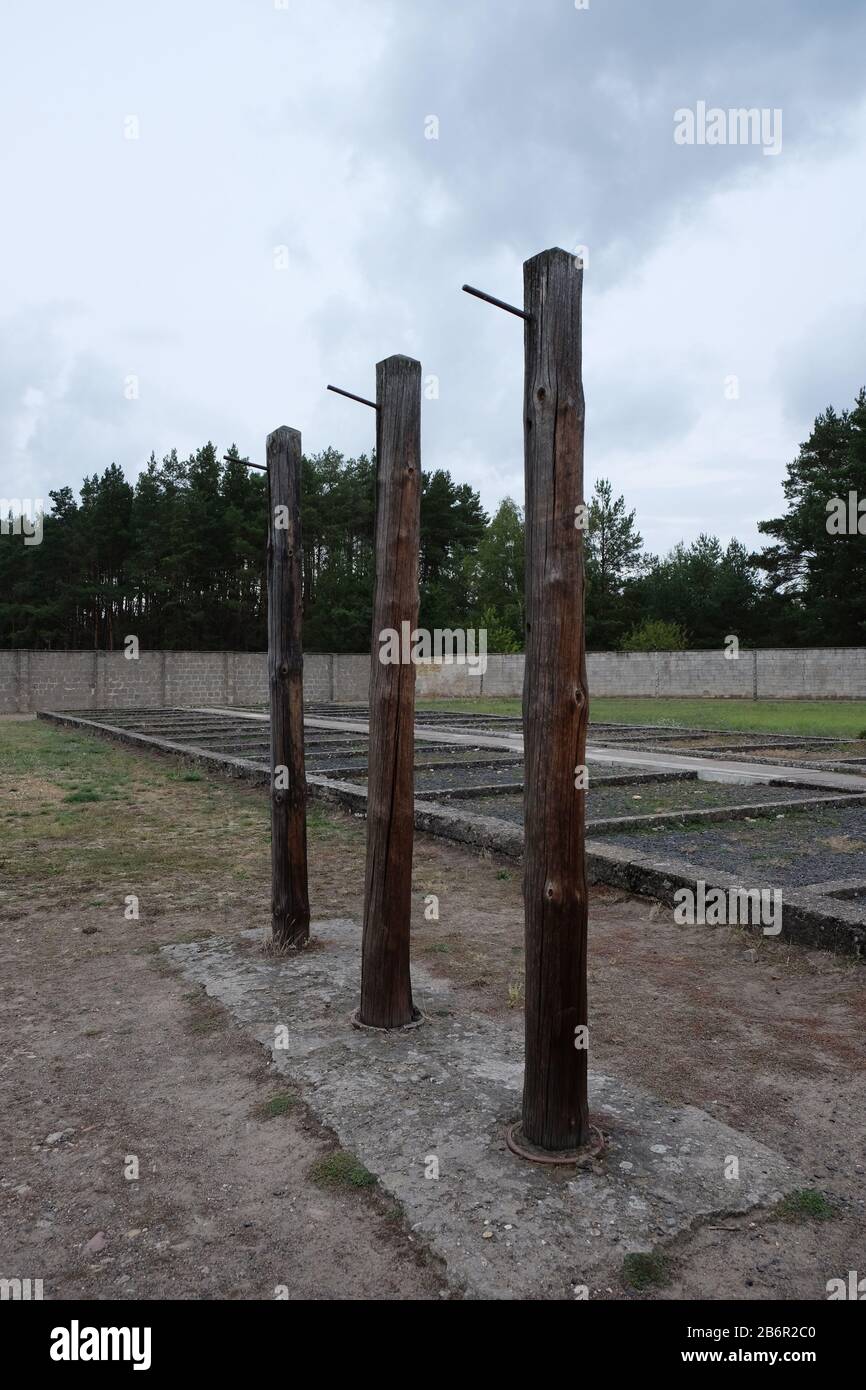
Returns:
point(605, 801)
point(794, 851)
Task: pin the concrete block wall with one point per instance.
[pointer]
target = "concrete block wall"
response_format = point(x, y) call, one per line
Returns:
point(43, 678)
point(705, 673)
point(351, 678)
point(504, 675)
point(9, 681)
point(31, 680)
point(250, 677)
point(200, 678)
point(667, 674)
point(609, 674)
point(435, 679)
point(815, 673)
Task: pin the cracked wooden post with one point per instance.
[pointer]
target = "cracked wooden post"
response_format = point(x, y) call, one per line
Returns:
point(555, 711)
point(386, 990)
point(290, 903)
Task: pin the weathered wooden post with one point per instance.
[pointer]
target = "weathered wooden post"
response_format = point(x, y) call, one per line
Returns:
point(555, 710)
point(386, 989)
point(290, 903)
point(555, 1119)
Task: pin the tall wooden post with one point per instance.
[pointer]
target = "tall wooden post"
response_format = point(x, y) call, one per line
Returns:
point(555, 709)
point(290, 904)
point(386, 991)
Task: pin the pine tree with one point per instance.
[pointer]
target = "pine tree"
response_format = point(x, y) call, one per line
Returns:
point(817, 575)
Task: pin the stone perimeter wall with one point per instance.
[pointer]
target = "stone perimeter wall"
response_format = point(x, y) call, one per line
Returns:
point(34, 680)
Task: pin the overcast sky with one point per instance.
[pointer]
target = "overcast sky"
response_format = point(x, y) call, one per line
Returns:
point(282, 221)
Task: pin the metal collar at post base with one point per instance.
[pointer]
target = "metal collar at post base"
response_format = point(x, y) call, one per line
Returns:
point(583, 1157)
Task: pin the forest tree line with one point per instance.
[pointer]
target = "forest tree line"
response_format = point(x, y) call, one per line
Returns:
point(178, 558)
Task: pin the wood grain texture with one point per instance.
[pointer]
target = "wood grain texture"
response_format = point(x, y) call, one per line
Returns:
point(555, 708)
point(386, 991)
point(290, 904)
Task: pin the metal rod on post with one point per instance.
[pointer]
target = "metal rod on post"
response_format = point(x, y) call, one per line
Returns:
point(555, 1117)
point(386, 990)
point(350, 395)
point(290, 905)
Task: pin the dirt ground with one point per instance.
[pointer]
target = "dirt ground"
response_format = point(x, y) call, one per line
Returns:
point(107, 1055)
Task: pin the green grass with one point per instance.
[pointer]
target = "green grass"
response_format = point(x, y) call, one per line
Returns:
point(805, 1204)
point(498, 705)
point(83, 794)
point(836, 718)
point(646, 1270)
point(276, 1106)
point(340, 1169)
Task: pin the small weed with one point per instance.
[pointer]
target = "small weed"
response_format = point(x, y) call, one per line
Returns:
point(340, 1169)
point(277, 1105)
point(646, 1270)
point(515, 993)
point(205, 1022)
point(805, 1204)
point(206, 1017)
point(83, 794)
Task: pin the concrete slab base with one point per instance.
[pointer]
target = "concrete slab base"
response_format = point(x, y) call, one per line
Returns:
point(438, 1100)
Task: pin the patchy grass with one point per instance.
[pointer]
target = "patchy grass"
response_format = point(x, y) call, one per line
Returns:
point(282, 1104)
point(646, 1270)
point(205, 1018)
point(833, 718)
point(83, 794)
point(805, 1204)
point(105, 821)
point(340, 1169)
